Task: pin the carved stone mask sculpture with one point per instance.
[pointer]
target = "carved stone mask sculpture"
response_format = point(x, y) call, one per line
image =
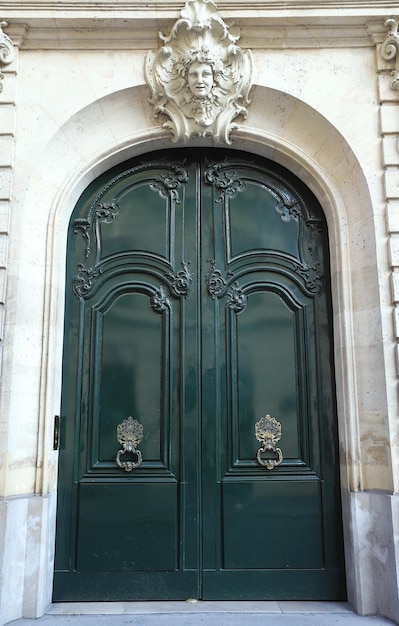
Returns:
point(200, 78)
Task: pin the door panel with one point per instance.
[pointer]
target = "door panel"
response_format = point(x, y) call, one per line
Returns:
point(120, 527)
point(266, 297)
point(129, 534)
point(263, 338)
point(131, 372)
point(259, 524)
point(197, 303)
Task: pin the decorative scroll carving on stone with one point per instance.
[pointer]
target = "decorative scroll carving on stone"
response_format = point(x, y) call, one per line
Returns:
point(199, 78)
point(390, 47)
point(6, 50)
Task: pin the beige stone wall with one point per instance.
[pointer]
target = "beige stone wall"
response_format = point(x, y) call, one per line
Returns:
point(321, 106)
point(7, 149)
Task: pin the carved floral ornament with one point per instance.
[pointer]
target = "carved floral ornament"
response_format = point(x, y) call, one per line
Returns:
point(199, 78)
point(6, 50)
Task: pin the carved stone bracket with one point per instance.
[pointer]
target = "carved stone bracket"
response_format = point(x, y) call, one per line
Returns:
point(7, 53)
point(390, 47)
point(199, 78)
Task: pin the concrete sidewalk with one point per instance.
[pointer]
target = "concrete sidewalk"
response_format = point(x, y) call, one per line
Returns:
point(201, 614)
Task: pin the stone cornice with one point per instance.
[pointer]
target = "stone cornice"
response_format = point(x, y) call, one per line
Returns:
point(271, 24)
point(227, 6)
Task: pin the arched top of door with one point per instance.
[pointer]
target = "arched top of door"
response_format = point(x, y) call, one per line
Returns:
point(279, 127)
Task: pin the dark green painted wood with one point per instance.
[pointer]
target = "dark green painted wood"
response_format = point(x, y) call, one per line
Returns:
point(197, 301)
point(120, 527)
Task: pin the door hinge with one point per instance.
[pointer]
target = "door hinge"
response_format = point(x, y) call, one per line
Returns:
point(56, 434)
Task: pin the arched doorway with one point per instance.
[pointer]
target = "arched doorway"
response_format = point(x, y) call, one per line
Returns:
point(198, 304)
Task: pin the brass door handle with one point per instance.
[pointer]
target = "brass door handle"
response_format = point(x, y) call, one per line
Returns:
point(129, 434)
point(268, 433)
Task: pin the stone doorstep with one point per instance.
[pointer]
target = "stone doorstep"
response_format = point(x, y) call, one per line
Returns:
point(195, 606)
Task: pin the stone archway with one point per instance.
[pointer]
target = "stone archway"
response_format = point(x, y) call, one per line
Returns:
point(274, 130)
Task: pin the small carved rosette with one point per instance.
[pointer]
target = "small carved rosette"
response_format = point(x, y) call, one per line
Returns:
point(200, 78)
point(268, 433)
point(129, 434)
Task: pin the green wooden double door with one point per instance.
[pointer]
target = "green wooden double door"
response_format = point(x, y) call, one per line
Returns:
point(198, 449)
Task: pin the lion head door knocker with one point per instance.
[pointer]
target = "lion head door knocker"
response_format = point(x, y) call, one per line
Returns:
point(200, 79)
point(268, 433)
point(129, 434)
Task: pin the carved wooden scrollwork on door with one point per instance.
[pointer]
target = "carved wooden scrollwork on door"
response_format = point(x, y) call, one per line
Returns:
point(166, 183)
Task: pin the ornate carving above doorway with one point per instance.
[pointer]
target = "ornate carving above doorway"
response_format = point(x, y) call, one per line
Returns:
point(199, 78)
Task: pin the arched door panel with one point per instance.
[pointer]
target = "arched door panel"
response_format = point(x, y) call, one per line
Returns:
point(197, 320)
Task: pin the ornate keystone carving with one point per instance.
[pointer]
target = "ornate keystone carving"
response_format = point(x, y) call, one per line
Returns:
point(200, 78)
point(6, 50)
point(390, 47)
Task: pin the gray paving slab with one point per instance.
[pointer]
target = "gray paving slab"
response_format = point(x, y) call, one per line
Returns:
point(199, 619)
point(201, 613)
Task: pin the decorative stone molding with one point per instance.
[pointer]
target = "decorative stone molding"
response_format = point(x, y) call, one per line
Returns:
point(200, 78)
point(6, 50)
point(390, 47)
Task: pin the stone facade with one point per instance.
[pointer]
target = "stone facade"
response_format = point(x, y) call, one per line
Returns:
point(74, 102)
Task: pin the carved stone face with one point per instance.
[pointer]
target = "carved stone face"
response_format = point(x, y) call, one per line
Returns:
point(200, 79)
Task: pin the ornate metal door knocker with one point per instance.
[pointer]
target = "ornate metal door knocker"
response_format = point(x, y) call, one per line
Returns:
point(129, 434)
point(268, 433)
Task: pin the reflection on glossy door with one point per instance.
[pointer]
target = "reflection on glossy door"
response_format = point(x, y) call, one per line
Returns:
point(198, 303)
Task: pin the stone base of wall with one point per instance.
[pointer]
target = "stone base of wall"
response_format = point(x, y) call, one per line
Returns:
point(26, 556)
point(372, 552)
